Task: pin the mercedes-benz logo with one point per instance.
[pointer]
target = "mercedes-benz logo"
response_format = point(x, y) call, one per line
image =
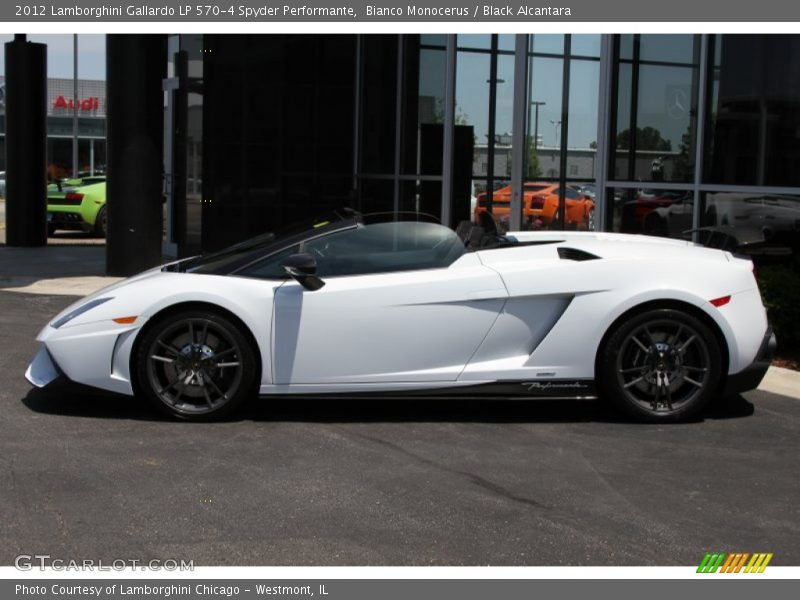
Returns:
point(678, 104)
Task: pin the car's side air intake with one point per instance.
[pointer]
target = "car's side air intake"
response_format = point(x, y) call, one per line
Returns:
point(575, 254)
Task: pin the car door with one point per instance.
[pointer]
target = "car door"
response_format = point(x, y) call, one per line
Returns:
point(378, 319)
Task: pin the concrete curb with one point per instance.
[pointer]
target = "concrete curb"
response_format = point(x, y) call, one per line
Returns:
point(781, 381)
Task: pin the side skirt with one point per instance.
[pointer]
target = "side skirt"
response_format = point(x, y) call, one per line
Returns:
point(551, 388)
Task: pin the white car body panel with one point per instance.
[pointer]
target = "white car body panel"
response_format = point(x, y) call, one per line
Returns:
point(389, 327)
point(507, 314)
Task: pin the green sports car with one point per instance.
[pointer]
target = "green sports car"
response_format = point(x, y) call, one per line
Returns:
point(77, 204)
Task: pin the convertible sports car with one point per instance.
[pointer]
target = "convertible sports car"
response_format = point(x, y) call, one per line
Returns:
point(398, 304)
point(78, 204)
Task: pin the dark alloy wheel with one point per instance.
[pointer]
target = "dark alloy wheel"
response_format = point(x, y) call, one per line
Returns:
point(660, 365)
point(196, 365)
point(101, 223)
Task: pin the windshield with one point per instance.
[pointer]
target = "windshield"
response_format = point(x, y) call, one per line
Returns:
point(235, 257)
point(263, 243)
point(369, 247)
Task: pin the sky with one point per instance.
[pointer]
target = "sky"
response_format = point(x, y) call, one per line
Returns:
point(472, 88)
point(91, 54)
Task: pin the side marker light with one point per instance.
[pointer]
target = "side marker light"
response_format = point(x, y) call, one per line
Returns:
point(124, 320)
point(722, 301)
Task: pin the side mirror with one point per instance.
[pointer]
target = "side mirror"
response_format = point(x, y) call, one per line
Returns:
point(303, 268)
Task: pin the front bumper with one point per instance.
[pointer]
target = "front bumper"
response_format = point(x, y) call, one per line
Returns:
point(95, 354)
point(750, 377)
point(43, 370)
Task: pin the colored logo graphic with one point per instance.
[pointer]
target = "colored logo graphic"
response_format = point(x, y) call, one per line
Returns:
point(735, 562)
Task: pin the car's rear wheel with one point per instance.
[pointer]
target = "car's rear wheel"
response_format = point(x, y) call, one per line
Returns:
point(101, 223)
point(660, 365)
point(196, 365)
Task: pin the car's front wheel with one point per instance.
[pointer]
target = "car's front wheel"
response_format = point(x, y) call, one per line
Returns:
point(196, 365)
point(660, 365)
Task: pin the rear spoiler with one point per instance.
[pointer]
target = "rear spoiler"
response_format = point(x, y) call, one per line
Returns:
point(727, 237)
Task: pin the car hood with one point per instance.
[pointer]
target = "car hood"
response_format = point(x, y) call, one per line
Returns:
point(109, 289)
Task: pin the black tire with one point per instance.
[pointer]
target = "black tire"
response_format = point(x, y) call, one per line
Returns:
point(101, 223)
point(179, 369)
point(661, 365)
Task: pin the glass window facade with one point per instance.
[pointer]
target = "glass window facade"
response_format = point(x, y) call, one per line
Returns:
point(484, 103)
point(754, 111)
point(561, 133)
point(277, 130)
point(704, 134)
point(655, 119)
point(640, 133)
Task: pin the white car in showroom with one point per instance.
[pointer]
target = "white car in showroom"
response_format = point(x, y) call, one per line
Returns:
point(401, 305)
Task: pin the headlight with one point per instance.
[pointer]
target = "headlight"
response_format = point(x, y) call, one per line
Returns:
point(79, 311)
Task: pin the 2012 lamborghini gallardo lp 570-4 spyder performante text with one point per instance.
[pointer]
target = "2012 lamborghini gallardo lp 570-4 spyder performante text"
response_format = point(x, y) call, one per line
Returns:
point(401, 305)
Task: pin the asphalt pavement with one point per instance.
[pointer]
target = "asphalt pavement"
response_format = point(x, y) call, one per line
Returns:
point(346, 482)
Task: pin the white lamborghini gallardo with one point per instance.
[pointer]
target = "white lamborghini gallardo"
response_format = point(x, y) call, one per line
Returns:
point(404, 306)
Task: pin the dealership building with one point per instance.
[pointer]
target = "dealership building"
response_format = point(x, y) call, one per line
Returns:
point(60, 122)
point(673, 132)
point(667, 133)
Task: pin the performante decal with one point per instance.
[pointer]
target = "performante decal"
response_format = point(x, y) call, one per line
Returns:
point(544, 386)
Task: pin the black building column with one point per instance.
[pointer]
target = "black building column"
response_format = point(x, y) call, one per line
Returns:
point(135, 67)
point(26, 143)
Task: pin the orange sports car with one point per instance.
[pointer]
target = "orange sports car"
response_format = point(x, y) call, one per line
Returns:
point(540, 206)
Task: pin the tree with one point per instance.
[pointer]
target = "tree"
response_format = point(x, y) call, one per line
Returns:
point(647, 138)
point(533, 169)
point(459, 118)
